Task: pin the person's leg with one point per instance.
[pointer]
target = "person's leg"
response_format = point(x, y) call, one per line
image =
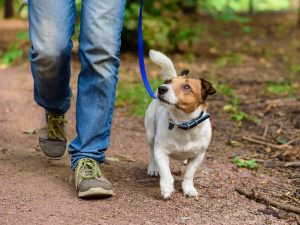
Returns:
point(99, 47)
point(51, 26)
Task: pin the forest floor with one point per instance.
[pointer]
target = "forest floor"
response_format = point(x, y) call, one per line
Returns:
point(257, 77)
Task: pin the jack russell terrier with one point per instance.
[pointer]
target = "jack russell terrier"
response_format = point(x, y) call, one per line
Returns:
point(177, 125)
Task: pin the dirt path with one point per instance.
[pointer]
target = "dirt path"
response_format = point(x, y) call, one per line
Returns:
point(34, 190)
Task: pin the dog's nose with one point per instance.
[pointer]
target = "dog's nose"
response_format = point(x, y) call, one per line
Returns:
point(162, 90)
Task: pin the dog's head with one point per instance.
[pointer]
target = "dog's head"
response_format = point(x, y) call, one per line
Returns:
point(185, 93)
point(180, 92)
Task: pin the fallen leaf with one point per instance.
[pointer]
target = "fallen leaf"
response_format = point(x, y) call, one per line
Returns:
point(282, 140)
point(268, 149)
point(112, 159)
point(234, 143)
point(29, 131)
point(229, 108)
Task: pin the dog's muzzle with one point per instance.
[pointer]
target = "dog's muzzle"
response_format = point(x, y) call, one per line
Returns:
point(162, 90)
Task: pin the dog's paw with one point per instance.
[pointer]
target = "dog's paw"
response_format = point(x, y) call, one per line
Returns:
point(166, 187)
point(166, 192)
point(190, 191)
point(153, 170)
point(153, 173)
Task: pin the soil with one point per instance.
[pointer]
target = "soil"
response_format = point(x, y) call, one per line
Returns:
point(35, 190)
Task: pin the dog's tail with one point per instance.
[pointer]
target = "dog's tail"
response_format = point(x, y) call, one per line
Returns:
point(164, 62)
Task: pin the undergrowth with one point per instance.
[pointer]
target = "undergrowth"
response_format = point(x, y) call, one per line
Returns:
point(134, 96)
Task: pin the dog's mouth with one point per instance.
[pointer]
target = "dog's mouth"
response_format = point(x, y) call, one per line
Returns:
point(161, 99)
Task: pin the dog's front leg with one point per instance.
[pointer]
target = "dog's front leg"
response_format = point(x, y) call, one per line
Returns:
point(188, 180)
point(152, 168)
point(166, 178)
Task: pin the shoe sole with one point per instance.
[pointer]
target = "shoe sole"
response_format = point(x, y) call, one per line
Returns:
point(95, 192)
point(56, 158)
point(51, 157)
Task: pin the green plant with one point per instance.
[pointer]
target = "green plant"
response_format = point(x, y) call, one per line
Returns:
point(161, 28)
point(231, 16)
point(250, 164)
point(247, 29)
point(225, 90)
point(230, 58)
point(14, 50)
point(234, 107)
point(23, 36)
point(294, 69)
point(285, 88)
point(134, 97)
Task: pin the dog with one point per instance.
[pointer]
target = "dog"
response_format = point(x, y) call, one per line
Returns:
point(177, 125)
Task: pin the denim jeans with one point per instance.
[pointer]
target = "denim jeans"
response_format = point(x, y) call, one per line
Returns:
point(51, 26)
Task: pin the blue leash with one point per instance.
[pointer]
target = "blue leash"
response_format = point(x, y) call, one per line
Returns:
point(141, 53)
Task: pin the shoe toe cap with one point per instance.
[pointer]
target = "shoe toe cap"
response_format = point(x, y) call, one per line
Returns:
point(88, 184)
point(53, 149)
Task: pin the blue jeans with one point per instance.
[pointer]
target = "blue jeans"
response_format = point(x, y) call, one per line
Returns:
point(51, 26)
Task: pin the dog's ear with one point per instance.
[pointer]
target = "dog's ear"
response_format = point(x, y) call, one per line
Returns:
point(184, 72)
point(206, 89)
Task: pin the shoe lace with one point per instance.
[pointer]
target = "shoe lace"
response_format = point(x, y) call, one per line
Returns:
point(54, 126)
point(89, 169)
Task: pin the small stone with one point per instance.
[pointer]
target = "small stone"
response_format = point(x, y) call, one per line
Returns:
point(184, 219)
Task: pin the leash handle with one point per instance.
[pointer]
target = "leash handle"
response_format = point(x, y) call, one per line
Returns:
point(141, 53)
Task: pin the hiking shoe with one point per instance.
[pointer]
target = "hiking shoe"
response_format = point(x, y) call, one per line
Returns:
point(52, 138)
point(89, 181)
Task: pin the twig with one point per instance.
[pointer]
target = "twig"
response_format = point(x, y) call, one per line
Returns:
point(258, 138)
point(270, 190)
point(293, 140)
point(260, 198)
point(265, 131)
point(291, 198)
point(292, 164)
point(269, 163)
point(280, 147)
point(125, 158)
point(281, 102)
point(298, 220)
point(272, 163)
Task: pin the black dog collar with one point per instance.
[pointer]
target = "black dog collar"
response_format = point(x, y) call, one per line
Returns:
point(189, 124)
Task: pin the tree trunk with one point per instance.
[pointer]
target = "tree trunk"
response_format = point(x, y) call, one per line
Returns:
point(251, 7)
point(8, 9)
point(299, 14)
point(188, 6)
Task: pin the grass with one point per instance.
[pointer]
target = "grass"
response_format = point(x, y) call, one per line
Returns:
point(285, 88)
point(134, 96)
point(230, 58)
point(14, 50)
point(13, 53)
point(234, 107)
point(294, 69)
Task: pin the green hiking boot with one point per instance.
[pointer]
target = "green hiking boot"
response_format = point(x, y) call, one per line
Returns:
point(89, 181)
point(52, 138)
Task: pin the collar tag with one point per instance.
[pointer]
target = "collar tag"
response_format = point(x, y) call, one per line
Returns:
point(171, 126)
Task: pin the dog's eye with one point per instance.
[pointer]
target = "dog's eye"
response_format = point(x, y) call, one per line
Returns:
point(168, 81)
point(187, 87)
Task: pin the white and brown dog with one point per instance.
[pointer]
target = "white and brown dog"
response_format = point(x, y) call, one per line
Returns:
point(177, 125)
